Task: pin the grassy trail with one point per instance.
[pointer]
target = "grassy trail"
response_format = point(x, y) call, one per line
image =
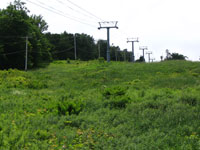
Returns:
point(100, 106)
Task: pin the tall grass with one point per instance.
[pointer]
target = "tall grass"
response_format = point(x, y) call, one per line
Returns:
point(96, 105)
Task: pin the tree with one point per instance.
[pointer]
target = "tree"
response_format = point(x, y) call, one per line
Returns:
point(103, 47)
point(141, 59)
point(85, 47)
point(63, 46)
point(15, 25)
point(174, 56)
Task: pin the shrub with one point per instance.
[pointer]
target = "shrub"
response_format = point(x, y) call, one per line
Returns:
point(190, 98)
point(42, 134)
point(70, 106)
point(117, 102)
point(17, 81)
point(114, 91)
point(68, 61)
point(116, 97)
point(34, 84)
point(101, 60)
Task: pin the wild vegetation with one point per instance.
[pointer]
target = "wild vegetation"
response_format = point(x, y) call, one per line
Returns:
point(16, 24)
point(96, 105)
point(92, 104)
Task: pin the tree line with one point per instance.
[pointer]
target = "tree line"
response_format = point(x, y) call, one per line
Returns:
point(16, 24)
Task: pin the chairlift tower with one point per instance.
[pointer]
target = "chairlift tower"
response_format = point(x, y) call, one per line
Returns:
point(132, 40)
point(143, 48)
point(108, 25)
point(152, 59)
point(149, 55)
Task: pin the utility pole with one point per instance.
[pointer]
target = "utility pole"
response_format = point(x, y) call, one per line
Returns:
point(167, 52)
point(116, 54)
point(125, 50)
point(26, 59)
point(149, 55)
point(75, 46)
point(99, 48)
point(107, 25)
point(132, 40)
point(143, 48)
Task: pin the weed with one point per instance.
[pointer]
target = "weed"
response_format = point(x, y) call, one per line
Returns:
point(99, 105)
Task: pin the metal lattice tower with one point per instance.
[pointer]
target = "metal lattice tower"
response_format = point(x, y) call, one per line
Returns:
point(132, 40)
point(107, 25)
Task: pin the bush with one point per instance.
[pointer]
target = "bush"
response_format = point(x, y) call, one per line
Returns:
point(116, 97)
point(14, 78)
point(117, 102)
point(42, 134)
point(34, 84)
point(190, 98)
point(101, 60)
point(70, 106)
point(114, 91)
point(68, 61)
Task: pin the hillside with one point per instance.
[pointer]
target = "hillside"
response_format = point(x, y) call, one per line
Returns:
point(96, 105)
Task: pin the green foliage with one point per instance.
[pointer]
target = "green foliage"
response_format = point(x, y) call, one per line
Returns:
point(116, 97)
point(90, 105)
point(42, 135)
point(101, 60)
point(68, 60)
point(176, 56)
point(14, 78)
point(68, 106)
point(141, 59)
point(114, 91)
point(190, 97)
point(62, 46)
point(15, 25)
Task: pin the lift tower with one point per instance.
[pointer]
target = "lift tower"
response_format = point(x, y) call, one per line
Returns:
point(107, 25)
point(143, 48)
point(132, 40)
point(149, 55)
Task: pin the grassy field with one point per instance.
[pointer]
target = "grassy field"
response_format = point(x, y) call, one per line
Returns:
point(100, 106)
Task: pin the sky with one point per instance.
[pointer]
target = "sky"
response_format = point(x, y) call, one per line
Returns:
point(159, 24)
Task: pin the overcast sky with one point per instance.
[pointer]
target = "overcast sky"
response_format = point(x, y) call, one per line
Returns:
point(159, 24)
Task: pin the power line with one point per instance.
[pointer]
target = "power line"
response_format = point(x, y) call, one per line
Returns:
point(12, 53)
point(13, 43)
point(63, 50)
point(37, 52)
point(53, 11)
point(62, 3)
point(7, 36)
point(85, 10)
point(54, 52)
point(59, 11)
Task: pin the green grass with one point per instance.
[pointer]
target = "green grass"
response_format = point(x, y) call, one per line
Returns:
point(101, 106)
